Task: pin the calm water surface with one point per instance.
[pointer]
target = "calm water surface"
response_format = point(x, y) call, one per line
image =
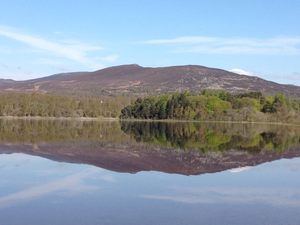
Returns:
point(63, 172)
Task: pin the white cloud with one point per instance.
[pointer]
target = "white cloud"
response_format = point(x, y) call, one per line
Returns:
point(61, 68)
point(57, 65)
point(20, 75)
point(4, 50)
point(242, 72)
point(72, 50)
point(110, 58)
point(190, 40)
point(214, 45)
point(294, 76)
point(48, 62)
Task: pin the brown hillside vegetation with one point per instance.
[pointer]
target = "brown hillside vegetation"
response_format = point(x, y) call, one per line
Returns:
point(132, 79)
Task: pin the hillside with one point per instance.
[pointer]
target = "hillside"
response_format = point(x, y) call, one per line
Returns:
point(137, 80)
point(5, 81)
point(55, 77)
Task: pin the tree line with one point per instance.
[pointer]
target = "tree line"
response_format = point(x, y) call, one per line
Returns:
point(215, 105)
point(42, 105)
point(207, 106)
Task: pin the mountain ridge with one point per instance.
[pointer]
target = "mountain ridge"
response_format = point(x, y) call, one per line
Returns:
point(57, 76)
point(132, 78)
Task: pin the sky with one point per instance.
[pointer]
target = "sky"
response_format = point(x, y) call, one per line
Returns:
point(256, 38)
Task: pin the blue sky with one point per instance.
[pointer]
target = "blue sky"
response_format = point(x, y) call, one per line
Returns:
point(40, 38)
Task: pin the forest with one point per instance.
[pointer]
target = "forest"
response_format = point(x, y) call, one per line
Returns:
point(42, 105)
point(206, 106)
point(215, 106)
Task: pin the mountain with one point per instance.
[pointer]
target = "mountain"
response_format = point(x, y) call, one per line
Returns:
point(5, 81)
point(139, 80)
point(55, 77)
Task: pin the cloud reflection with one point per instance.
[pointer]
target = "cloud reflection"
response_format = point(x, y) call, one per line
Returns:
point(289, 164)
point(69, 185)
point(240, 169)
point(108, 178)
point(216, 195)
point(293, 166)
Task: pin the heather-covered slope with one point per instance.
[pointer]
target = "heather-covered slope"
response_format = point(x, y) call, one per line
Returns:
point(145, 80)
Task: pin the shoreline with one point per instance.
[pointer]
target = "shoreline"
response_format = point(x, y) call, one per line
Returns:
point(59, 118)
point(140, 120)
point(208, 121)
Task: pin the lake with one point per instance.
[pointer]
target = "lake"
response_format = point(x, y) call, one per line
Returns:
point(121, 172)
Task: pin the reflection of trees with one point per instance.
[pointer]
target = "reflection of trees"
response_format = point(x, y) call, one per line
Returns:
point(38, 131)
point(206, 137)
point(214, 137)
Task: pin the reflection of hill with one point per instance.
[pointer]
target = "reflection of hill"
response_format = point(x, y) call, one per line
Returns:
point(150, 146)
point(133, 158)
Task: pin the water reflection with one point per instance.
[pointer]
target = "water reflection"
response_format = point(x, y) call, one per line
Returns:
point(249, 173)
point(53, 131)
point(214, 195)
point(206, 137)
point(131, 147)
point(50, 178)
point(209, 137)
point(82, 194)
point(69, 185)
point(273, 189)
